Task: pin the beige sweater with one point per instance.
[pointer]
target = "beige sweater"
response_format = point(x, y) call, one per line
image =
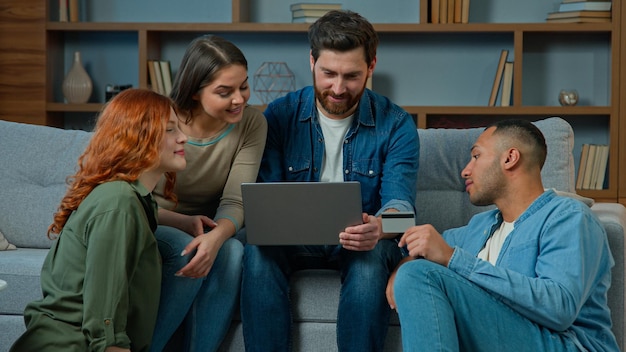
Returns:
point(211, 183)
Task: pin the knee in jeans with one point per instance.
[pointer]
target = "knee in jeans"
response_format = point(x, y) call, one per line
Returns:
point(171, 242)
point(258, 260)
point(413, 273)
point(231, 253)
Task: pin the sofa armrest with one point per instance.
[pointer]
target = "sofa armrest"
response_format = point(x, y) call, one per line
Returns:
point(613, 217)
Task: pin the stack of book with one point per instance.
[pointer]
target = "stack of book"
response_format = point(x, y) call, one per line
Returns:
point(160, 75)
point(310, 12)
point(592, 167)
point(579, 11)
point(449, 11)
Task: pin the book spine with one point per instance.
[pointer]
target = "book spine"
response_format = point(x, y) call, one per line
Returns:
point(582, 165)
point(443, 11)
point(604, 159)
point(63, 11)
point(153, 80)
point(73, 9)
point(434, 11)
point(507, 84)
point(458, 9)
point(167, 76)
point(591, 156)
point(498, 78)
point(465, 7)
point(450, 11)
point(159, 77)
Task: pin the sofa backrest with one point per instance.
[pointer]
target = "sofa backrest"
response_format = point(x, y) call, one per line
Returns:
point(34, 164)
point(441, 198)
point(33, 174)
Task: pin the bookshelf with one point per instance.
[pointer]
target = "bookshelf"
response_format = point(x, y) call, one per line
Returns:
point(116, 50)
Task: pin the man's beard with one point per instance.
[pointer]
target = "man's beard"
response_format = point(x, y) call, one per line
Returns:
point(493, 184)
point(337, 108)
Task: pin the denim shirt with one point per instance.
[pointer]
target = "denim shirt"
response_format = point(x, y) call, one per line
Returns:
point(554, 267)
point(380, 149)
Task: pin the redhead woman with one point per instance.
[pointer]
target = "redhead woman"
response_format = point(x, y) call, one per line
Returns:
point(102, 277)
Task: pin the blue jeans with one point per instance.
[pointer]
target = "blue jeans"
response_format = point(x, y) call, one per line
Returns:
point(441, 311)
point(205, 305)
point(363, 315)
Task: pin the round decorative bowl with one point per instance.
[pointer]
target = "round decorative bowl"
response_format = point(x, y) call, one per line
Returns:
point(568, 97)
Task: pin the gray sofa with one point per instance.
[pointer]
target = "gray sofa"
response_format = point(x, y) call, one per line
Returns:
point(35, 161)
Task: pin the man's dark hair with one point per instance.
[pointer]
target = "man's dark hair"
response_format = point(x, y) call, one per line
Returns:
point(526, 133)
point(343, 30)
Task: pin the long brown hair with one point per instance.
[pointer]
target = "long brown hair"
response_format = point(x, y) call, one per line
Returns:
point(125, 143)
point(204, 58)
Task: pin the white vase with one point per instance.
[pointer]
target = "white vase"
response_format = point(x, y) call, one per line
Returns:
point(77, 84)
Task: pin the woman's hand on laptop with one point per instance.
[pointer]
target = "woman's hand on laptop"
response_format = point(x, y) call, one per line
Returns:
point(362, 237)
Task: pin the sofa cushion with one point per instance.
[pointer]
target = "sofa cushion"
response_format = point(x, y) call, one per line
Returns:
point(4, 244)
point(21, 270)
point(33, 178)
point(441, 199)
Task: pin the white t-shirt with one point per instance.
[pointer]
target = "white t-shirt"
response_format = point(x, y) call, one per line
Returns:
point(492, 248)
point(334, 132)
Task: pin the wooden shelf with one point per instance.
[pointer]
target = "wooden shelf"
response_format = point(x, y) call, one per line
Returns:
point(303, 27)
point(509, 110)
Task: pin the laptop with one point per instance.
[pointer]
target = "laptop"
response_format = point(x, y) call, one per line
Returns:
point(300, 213)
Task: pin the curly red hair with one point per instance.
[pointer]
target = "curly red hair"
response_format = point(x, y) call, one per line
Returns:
point(125, 143)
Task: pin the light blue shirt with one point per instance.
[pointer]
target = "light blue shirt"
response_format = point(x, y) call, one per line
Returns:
point(380, 150)
point(554, 267)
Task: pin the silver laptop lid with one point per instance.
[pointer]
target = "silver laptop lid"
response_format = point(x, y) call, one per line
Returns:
point(300, 213)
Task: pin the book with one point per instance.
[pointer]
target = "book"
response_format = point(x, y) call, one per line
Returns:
point(450, 11)
point(166, 72)
point(443, 11)
point(305, 19)
point(591, 156)
point(569, 14)
point(159, 77)
point(434, 11)
point(498, 78)
point(314, 6)
point(584, 153)
point(585, 5)
point(568, 1)
point(156, 77)
point(458, 6)
point(152, 74)
point(309, 13)
point(465, 11)
point(73, 10)
point(579, 20)
point(595, 166)
point(63, 11)
point(602, 163)
point(507, 84)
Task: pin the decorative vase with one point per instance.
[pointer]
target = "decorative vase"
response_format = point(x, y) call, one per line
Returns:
point(77, 84)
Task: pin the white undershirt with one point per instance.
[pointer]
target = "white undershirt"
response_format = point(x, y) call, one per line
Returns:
point(492, 248)
point(334, 132)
